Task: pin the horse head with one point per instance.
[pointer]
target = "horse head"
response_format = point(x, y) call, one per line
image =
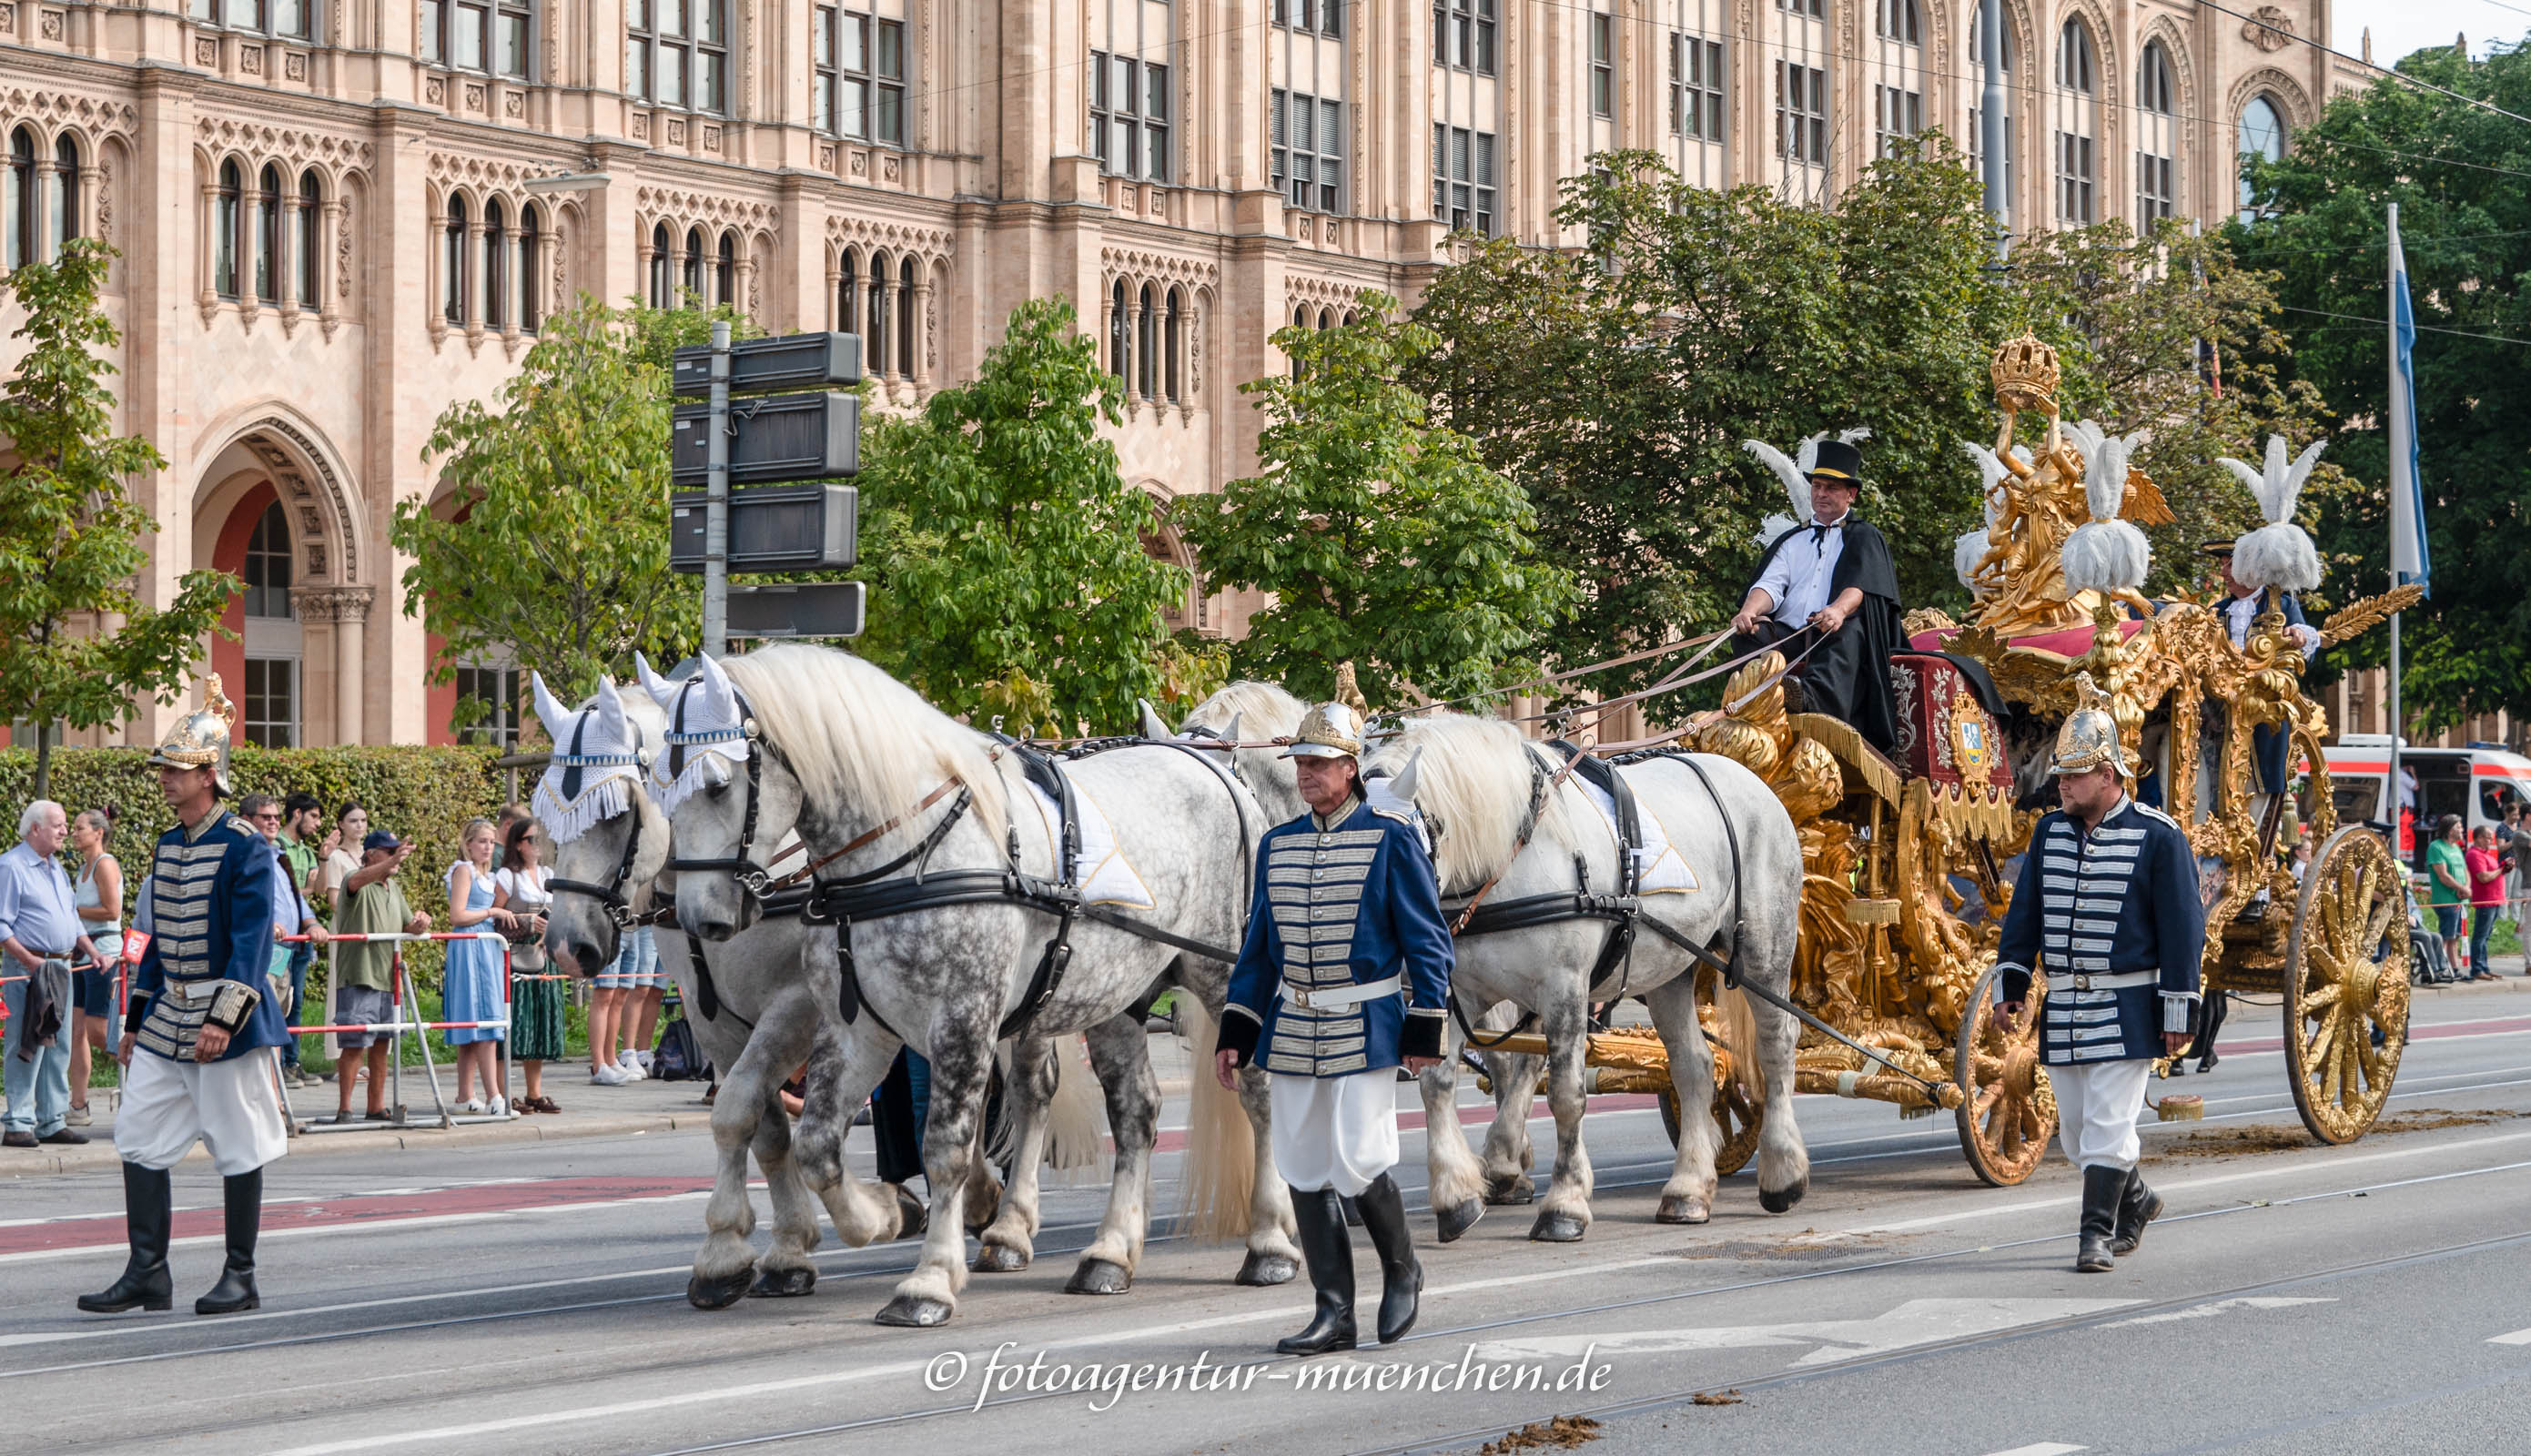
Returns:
point(608, 841)
point(1266, 712)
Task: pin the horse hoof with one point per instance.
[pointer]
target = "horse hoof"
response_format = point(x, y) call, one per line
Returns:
point(1678, 1208)
point(719, 1293)
point(999, 1259)
point(1457, 1219)
point(1779, 1201)
point(913, 1219)
point(1510, 1192)
point(783, 1283)
point(912, 1311)
point(1259, 1270)
point(1554, 1227)
point(1099, 1277)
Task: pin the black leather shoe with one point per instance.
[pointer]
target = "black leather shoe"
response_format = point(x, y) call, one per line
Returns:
point(1328, 1251)
point(2138, 1205)
point(64, 1135)
point(242, 1193)
point(17, 1138)
point(148, 1209)
point(2102, 1190)
point(1401, 1274)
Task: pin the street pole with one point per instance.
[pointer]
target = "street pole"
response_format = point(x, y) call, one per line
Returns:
point(1990, 117)
point(716, 499)
point(2401, 425)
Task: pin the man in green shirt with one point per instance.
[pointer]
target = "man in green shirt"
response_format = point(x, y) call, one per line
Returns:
point(2447, 871)
point(371, 904)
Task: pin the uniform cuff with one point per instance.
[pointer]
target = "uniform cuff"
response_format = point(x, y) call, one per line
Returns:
point(2178, 1012)
point(135, 1013)
point(2012, 983)
point(1238, 1037)
point(1421, 1034)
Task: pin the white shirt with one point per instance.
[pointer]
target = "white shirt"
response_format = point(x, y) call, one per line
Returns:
point(1797, 579)
point(2240, 611)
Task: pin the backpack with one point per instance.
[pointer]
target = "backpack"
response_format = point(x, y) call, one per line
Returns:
point(679, 1058)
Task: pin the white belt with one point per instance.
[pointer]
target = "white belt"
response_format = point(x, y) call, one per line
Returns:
point(1327, 999)
point(2068, 981)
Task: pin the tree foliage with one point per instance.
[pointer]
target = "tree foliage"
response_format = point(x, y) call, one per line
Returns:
point(71, 539)
point(1005, 550)
point(1387, 540)
point(2457, 171)
point(555, 541)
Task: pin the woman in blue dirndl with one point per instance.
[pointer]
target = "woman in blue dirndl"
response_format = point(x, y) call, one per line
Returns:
point(472, 990)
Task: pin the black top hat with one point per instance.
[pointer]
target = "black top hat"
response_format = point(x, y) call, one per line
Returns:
point(2222, 548)
point(1839, 461)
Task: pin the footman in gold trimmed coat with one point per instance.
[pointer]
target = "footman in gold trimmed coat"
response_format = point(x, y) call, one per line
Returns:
point(1344, 977)
point(198, 1048)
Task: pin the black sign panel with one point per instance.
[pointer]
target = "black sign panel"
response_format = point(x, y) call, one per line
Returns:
point(788, 437)
point(791, 361)
point(796, 610)
point(771, 528)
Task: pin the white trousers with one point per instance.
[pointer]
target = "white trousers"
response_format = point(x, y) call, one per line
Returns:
point(1334, 1132)
point(231, 1106)
point(2097, 1104)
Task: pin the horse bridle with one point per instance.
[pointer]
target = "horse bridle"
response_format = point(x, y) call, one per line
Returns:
point(740, 866)
point(611, 893)
point(1213, 735)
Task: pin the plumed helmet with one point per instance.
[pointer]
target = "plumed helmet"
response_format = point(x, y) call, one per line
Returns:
point(1330, 730)
point(200, 738)
point(2090, 734)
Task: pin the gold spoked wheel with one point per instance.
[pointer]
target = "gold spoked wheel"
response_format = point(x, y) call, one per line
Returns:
point(1738, 1114)
point(2007, 1112)
point(2346, 985)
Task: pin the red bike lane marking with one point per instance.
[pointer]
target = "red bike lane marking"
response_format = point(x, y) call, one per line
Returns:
point(381, 1208)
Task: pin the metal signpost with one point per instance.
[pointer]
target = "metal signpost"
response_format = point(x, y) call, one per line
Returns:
point(773, 442)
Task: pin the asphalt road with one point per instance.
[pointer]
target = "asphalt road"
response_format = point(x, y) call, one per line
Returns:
point(530, 1298)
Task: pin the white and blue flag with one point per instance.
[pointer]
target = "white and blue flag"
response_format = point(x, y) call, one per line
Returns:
point(2410, 557)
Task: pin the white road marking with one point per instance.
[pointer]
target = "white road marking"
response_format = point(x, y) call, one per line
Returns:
point(2218, 1306)
point(2518, 1337)
point(2041, 1448)
point(371, 1225)
point(1918, 1322)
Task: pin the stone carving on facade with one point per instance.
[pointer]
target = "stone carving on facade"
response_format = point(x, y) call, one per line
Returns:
point(435, 91)
point(250, 60)
point(474, 96)
point(8, 20)
point(293, 65)
point(207, 50)
point(676, 130)
point(711, 139)
point(2268, 28)
point(281, 447)
point(49, 23)
point(332, 603)
point(826, 157)
point(283, 143)
point(641, 126)
point(514, 104)
point(936, 243)
point(105, 206)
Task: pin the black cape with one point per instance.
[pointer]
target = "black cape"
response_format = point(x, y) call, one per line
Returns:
point(1848, 675)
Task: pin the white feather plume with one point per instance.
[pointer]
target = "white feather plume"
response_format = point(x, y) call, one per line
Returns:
point(1793, 475)
point(1972, 545)
point(2278, 554)
point(2105, 554)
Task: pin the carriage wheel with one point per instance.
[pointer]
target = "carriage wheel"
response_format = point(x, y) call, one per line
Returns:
point(1739, 1115)
point(2007, 1111)
point(2346, 985)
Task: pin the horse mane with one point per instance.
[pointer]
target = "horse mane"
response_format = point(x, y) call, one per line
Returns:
point(856, 736)
point(1474, 777)
point(1262, 709)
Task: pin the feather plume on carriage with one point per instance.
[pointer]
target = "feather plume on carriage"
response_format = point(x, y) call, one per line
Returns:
point(2278, 554)
point(1796, 471)
point(1972, 546)
point(2105, 554)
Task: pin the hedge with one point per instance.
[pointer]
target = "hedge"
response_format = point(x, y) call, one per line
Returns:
point(425, 795)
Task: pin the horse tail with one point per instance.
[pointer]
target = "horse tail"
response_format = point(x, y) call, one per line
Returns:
point(1075, 1119)
point(1218, 1175)
point(1739, 1016)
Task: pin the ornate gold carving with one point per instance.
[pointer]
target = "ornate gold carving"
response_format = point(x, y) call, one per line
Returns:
point(2359, 617)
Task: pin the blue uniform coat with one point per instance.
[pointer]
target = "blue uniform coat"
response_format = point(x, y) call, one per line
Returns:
point(1351, 902)
point(211, 908)
point(2119, 902)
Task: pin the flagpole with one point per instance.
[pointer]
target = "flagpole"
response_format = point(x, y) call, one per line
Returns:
point(2390, 375)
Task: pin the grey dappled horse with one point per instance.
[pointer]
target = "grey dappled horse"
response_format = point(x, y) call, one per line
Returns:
point(879, 783)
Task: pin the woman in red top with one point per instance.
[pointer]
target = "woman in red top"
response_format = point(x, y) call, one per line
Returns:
point(2486, 897)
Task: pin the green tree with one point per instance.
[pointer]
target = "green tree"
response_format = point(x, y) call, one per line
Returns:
point(1006, 551)
point(2458, 172)
point(555, 541)
point(2145, 307)
point(1614, 383)
point(70, 547)
point(1386, 539)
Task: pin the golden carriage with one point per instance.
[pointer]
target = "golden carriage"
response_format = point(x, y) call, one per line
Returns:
point(1908, 859)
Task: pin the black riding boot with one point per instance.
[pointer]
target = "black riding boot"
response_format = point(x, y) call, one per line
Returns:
point(235, 1293)
point(148, 1209)
point(1384, 1212)
point(1329, 1249)
point(2138, 1205)
point(2102, 1190)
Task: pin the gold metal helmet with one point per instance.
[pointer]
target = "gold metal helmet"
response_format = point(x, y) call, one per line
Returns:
point(2090, 734)
point(200, 738)
point(1331, 730)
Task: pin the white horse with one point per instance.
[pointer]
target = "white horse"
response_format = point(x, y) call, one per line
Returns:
point(1728, 881)
point(935, 851)
point(762, 1017)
